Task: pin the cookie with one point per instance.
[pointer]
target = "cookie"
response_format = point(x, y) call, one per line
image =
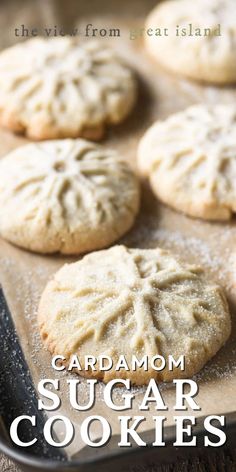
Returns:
point(68, 196)
point(63, 88)
point(129, 302)
point(190, 159)
point(205, 57)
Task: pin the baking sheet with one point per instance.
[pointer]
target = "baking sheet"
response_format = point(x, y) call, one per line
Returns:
point(23, 275)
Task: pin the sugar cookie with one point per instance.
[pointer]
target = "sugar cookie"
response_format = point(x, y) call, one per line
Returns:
point(190, 159)
point(62, 88)
point(206, 57)
point(129, 302)
point(68, 196)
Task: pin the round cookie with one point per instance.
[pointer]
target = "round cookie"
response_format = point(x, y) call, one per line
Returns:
point(68, 196)
point(205, 58)
point(62, 88)
point(139, 302)
point(190, 159)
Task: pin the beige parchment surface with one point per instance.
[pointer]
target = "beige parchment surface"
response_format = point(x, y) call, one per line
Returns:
point(23, 275)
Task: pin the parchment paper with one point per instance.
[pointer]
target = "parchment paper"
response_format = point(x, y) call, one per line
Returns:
point(23, 275)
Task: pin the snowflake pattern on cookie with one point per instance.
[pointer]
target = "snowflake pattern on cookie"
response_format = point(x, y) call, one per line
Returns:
point(133, 301)
point(190, 159)
point(70, 196)
point(61, 88)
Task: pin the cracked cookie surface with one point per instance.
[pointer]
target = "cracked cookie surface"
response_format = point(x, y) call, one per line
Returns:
point(123, 301)
point(68, 196)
